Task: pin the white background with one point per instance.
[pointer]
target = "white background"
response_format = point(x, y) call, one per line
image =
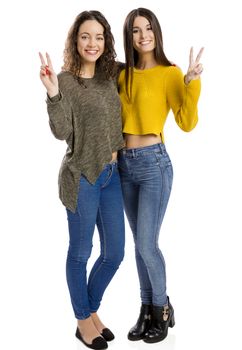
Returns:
point(200, 237)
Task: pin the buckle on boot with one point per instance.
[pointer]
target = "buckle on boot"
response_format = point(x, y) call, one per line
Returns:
point(165, 313)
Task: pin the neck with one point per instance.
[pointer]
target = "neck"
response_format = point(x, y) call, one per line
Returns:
point(146, 61)
point(87, 70)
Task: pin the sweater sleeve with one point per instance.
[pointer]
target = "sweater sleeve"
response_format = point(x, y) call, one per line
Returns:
point(183, 98)
point(60, 115)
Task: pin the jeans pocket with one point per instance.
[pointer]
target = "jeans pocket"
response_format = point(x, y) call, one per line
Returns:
point(147, 160)
point(163, 159)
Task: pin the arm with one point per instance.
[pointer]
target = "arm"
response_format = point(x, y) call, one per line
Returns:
point(183, 93)
point(60, 120)
point(183, 98)
point(58, 108)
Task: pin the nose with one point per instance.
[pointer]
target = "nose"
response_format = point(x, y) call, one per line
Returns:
point(142, 34)
point(91, 42)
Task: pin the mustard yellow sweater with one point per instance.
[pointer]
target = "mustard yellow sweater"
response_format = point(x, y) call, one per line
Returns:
point(155, 91)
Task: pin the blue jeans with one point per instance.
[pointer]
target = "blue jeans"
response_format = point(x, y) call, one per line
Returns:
point(100, 204)
point(146, 177)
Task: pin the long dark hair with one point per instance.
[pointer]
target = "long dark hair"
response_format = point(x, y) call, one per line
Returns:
point(72, 60)
point(131, 55)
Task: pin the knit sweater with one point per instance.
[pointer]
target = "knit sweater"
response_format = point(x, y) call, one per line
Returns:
point(88, 117)
point(154, 92)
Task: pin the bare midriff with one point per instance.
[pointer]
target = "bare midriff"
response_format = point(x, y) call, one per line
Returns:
point(136, 141)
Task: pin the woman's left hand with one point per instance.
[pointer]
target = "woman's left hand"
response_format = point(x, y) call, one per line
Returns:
point(195, 67)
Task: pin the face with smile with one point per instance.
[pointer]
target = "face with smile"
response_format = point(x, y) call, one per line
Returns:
point(143, 36)
point(90, 41)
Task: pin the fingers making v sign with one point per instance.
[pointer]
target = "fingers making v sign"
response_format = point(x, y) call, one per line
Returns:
point(48, 75)
point(195, 67)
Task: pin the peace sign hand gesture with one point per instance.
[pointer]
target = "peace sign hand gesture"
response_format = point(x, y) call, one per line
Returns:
point(195, 68)
point(48, 76)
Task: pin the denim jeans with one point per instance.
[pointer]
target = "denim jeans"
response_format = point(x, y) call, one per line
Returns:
point(100, 204)
point(146, 177)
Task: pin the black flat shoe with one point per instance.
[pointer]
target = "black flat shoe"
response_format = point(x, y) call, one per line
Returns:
point(107, 334)
point(98, 343)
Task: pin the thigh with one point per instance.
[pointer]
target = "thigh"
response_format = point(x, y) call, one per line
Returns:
point(130, 191)
point(155, 180)
point(110, 216)
point(82, 223)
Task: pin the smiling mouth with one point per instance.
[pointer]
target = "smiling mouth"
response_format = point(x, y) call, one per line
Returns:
point(145, 42)
point(91, 52)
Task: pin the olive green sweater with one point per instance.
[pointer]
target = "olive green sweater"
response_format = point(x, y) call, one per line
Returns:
point(88, 117)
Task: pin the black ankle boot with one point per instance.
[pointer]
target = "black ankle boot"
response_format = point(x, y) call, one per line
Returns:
point(142, 325)
point(162, 318)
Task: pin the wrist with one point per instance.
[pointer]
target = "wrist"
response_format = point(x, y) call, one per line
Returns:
point(187, 79)
point(51, 93)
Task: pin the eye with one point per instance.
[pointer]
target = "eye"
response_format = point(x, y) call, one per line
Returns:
point(135, 31)
point(149, 28)
point(84, 37)
point(101, 38)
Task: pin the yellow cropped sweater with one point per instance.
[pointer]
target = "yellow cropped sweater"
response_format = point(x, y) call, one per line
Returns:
point(155, 91)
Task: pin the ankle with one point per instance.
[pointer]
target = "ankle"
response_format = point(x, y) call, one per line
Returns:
point(87, 328)
point(87, 322)
point(97, 322)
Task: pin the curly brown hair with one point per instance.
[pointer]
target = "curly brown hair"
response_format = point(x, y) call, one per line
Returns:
point(106, 62)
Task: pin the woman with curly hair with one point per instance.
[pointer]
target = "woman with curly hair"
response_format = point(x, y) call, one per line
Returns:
point(84, 110)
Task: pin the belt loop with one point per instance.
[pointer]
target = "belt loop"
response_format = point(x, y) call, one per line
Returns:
point(160, 147)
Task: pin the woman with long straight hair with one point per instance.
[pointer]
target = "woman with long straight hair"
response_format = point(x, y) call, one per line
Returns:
point(84, 110)
point(149, 87)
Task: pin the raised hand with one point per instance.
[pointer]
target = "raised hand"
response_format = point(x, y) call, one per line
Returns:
point(195, 67)
point(48, 76)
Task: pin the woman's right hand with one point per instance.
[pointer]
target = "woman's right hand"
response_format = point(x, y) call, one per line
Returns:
point(48, 76)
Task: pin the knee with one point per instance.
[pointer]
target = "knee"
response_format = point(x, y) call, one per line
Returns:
point(115, 252)
point(115, 259)
point(119, 258)
point(77, 255)
point(146, 252)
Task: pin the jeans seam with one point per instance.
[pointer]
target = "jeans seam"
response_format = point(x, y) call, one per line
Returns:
point(157, 233)
point(159, 212)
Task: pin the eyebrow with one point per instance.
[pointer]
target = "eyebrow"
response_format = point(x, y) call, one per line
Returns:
point(89, 33)
point(147, 25)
